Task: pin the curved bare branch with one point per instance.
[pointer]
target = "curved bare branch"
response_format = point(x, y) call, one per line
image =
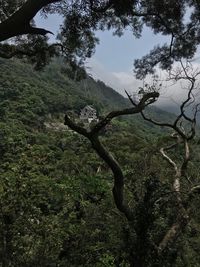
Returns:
point(146, 100)
point(183, 135)
point(105, 155)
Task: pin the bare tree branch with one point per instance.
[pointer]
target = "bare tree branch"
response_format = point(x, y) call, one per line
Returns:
point(173, 234)
point(195, 189)
point(177, 124)
point(182, 216)
point(186, 158)
point(75, 127)
point(146, 100)
point(168, 159)
point(118, 188)
point(183, 135)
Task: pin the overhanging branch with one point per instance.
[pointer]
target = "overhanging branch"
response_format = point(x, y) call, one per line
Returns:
point(19, 22)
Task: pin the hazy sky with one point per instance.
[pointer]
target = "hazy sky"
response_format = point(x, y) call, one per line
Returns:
point(114, 57)
point(115, 53)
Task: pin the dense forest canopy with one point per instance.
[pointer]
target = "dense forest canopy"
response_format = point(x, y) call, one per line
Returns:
point(55, 193)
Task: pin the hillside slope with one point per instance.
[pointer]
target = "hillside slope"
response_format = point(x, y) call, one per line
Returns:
point(32, 96)
point(56, 198)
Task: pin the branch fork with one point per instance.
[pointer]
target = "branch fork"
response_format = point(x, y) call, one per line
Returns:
point(105, 155)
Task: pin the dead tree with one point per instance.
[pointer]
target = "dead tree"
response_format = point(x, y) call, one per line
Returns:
point(184, 130)
point(105, 155)
point(181, 134)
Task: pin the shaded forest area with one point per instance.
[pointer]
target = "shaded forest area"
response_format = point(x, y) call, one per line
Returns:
point(56, 204)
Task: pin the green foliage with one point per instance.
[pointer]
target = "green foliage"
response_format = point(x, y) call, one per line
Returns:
point(56, 204)
point(82, 19)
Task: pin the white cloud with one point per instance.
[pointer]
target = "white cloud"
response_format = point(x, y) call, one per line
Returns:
point(99, 72)
point(170, 94)
point(120, 81)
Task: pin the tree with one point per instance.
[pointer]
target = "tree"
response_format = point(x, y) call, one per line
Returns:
point(142, 216)
point(183, 134)
point(76, 41)
point(82, 18)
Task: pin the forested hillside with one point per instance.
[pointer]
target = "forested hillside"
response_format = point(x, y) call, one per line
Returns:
point(56, 198)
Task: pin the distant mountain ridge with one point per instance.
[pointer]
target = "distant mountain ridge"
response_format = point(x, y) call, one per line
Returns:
point(33, 95)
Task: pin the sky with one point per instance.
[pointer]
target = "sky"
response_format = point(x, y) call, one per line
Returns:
point(114, 57)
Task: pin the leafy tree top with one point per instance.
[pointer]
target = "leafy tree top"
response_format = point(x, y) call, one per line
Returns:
point(81, 18)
